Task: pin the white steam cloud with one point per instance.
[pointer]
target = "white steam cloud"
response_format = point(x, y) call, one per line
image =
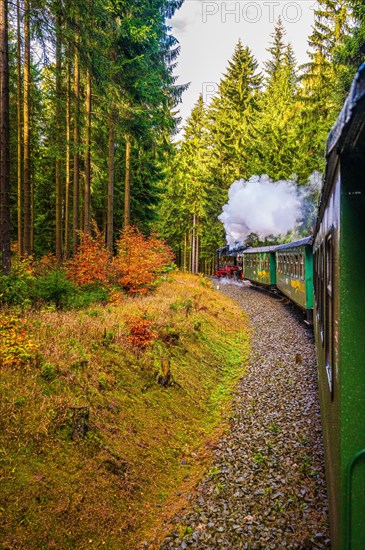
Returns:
point(264, 207)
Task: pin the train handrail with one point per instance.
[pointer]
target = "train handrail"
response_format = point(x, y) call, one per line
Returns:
point(355, 458)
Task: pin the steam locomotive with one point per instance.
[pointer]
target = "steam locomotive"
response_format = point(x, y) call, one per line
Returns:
point(324, 275)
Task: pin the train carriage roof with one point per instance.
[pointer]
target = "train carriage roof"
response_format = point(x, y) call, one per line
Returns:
point(307, 241)
point(346, 131)
point(347, 136)
point(260, 249)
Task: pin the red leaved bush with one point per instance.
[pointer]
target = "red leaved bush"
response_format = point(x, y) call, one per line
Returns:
point(141, 333)
point(140, 260)
point(91, 263)
point(16, 349)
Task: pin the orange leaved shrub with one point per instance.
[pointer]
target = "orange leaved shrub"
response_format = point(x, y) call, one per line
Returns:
point(141, 333)
point(140, 260)
point(16, 349)
point(91, 262)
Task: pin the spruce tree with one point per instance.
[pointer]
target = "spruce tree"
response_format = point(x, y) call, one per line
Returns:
point(320, 99)
point(184, 211)
point(230, 116)
point(4, 140)
point(273, 147)
point(352, 52)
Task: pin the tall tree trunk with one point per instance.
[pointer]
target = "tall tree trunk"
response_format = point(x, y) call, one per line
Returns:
point(185, 252)
point(32, 196)
point(67, 180)
point(26, 132)
point(58, 139)
point(76, 142)
point(110, 208)
point(127, 183)
point(4, 139)
point(19, 133)
point(190, 251)
point(197, 254)
point(193, 246)
point(87, 153)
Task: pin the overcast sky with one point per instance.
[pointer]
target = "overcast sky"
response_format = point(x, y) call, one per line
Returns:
point(208, 32)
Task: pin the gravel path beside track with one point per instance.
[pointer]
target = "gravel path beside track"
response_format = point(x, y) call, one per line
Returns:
point(266, 487)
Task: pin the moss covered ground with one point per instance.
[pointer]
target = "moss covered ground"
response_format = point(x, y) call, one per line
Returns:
point(95, 452)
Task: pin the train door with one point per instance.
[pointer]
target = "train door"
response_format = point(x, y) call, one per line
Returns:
point(329, 321)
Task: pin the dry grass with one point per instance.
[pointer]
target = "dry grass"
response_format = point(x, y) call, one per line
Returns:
point(145, 444)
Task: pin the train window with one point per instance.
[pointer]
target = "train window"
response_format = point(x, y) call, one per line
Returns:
point(320, 271)
point(301, 267)
point(329, 322)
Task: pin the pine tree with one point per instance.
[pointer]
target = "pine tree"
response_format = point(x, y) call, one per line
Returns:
point(185, 206)
point(231, 113)
point(4, 140)
point(277, 53)
point(273, 146)
point(320, 99)
point(352, 52)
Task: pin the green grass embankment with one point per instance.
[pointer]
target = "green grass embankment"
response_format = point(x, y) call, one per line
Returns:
point(145, 444)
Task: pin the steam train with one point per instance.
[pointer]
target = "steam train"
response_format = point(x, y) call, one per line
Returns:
point(324, 275)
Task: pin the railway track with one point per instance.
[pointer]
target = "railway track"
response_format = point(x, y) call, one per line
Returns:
point(265, 488)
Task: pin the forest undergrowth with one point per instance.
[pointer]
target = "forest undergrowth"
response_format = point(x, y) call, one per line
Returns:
point(108, 416)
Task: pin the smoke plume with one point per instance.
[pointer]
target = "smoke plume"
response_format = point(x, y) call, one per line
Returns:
point(267, 208)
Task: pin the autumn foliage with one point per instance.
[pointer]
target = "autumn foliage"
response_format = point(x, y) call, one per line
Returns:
point(91, 263)
point(141, 333)
point(16, 349)
point(92, 274)
point(140, 260)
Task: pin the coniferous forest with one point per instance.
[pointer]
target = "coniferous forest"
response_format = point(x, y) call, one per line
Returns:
point(89, 107)
point(272, 120)
point(117, 368)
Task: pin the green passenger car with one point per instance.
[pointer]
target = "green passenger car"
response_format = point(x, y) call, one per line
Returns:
point(259, 265)
point(294, 273)
point(339, 316)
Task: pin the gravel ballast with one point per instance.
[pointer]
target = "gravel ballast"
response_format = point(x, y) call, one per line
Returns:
point(266, 487)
